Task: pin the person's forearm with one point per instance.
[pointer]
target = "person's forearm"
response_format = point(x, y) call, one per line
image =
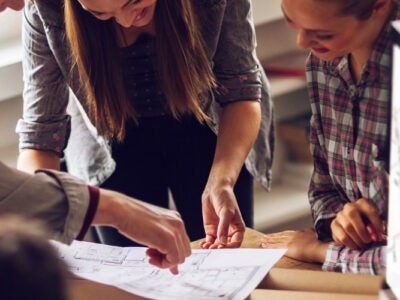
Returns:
point(240, 123)
point(108, 208)
point(31, 160)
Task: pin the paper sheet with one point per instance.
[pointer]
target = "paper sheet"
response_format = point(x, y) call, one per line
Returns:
point(393, 252)
point(206, 274)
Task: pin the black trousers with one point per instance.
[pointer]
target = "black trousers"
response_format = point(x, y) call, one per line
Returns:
point(162, 154)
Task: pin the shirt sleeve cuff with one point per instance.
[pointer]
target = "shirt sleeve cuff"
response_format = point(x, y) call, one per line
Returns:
point(94, 196)
point(331, 258)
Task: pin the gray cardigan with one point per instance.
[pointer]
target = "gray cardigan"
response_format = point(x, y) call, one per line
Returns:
point(54, 104)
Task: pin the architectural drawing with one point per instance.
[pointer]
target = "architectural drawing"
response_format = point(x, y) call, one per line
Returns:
point(206, 274)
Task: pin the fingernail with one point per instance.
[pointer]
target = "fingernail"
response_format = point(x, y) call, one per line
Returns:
point(373, 235)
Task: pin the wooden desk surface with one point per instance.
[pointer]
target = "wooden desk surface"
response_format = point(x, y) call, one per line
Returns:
point(81, 289)
point(252, 239)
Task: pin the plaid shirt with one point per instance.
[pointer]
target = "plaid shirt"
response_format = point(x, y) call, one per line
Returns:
point(350, 144)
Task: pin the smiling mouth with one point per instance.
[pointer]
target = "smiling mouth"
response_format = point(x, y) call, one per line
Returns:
point(320, 50)
point(140, 15)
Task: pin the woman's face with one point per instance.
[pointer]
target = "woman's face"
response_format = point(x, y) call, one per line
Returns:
point(322, 30)
point(127, 13)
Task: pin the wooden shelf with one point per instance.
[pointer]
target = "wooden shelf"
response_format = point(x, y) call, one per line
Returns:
point(287, 201)
point(284, 85)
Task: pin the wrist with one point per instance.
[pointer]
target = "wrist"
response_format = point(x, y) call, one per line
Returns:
point(320, 250)
point(30, 160)
point(108, 209)
point(221, 179)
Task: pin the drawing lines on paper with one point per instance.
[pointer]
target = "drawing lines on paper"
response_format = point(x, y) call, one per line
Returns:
point(107, 254)
point(204, 283)
point(135, 274)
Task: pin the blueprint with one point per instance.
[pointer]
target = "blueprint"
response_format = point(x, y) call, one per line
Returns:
point(206, 274)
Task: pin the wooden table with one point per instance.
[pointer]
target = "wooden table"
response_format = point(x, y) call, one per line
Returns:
point(252, 239)
point(288, 279)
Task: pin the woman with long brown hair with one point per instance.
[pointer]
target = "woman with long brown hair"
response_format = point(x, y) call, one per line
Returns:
point(172, 89)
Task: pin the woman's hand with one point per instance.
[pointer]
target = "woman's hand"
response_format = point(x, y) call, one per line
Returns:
point(357, 225)
point(302, 245)
point(223, 223)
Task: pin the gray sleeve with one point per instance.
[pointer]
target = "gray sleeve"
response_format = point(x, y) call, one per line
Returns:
point(235, 63)
point(45, 123)
point(58, 199)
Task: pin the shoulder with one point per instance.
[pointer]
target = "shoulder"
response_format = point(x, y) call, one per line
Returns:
point(222, 8)
point(50, 12)
point(206, 9)
point(208, 3)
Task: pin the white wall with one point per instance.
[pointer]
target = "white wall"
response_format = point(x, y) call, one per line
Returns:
point(10, 25)
point(10, 83)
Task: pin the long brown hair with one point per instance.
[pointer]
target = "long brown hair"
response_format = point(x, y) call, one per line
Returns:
point(181, 62)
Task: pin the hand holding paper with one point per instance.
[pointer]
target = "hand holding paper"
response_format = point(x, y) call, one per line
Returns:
point(168, 242)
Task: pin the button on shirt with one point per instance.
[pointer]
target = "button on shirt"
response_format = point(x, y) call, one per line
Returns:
point(350, 144)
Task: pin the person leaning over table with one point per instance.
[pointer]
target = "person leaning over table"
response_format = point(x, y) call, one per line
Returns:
point(173, 88)
point(68, 206)
point(349, 83)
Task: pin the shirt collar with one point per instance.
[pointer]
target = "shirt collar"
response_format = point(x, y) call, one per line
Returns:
point(378, 66)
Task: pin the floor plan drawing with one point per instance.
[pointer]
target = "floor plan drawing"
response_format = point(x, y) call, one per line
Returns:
point(206, 274)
